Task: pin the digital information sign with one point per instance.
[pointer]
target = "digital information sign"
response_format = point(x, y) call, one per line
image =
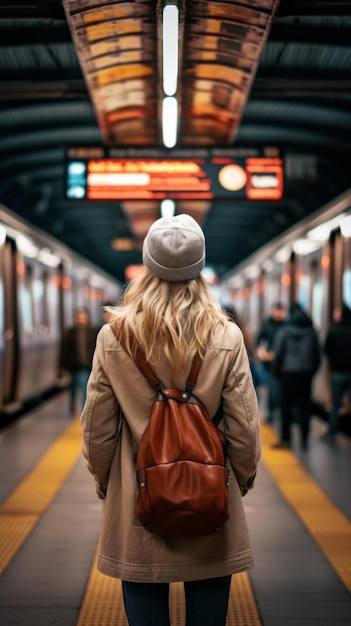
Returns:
point(98, 173)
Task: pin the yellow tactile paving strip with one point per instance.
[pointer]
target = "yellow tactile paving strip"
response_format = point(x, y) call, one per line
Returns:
point(21, 511)
point(328, 526)
point(103, 602)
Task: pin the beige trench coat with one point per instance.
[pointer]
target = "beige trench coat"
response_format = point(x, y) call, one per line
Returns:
point(127, 550)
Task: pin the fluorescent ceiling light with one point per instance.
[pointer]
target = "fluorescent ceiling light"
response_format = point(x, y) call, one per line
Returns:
point(2, 234)
point(168, 208)
point(345, 226)
point(268, 265)
point(305, 246)
point(282, 255)
point(27, 247)
point(48, 257)
point(252, 271)
point(236, 282)
point(169, 121)
point(170, 49)
point(322, 232)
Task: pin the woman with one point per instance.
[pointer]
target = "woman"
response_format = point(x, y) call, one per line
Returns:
point(170, 314)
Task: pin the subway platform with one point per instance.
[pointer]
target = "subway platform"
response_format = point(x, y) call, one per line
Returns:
point(298, 514)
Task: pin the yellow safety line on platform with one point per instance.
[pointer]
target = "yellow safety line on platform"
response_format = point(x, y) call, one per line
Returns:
point(328, 526)
point(103, 602)
point(21, 511)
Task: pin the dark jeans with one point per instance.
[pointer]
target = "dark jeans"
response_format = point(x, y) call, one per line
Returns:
point(295, 403)
point(146, 604)
point(340, 382)
point(274, 394)
point(79, 380)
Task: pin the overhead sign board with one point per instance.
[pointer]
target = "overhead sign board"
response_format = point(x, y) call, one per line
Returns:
point(98, 173)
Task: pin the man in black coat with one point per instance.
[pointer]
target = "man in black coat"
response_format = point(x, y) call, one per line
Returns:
point(338, 352)
point(296, 360)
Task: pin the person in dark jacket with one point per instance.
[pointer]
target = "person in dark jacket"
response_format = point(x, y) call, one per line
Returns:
point(338, 351)
point(296, 360)
point(264, 342)
point(77, 354)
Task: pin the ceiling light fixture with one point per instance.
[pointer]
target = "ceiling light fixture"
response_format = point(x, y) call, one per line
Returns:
point(170, 27)
point(170, 49)
point(345, 226)
point(169, 121)
point(168, 208)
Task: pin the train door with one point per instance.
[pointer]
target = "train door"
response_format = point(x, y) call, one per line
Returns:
point(9, 358)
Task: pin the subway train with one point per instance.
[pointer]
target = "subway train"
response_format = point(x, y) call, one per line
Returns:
point(310, 264)
point(42, 282)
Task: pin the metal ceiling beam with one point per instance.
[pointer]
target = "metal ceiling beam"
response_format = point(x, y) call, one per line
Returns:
point(262, 88)
point(59, 89)
point(54, 10)
point(300, 88)
point(314, 8)
point(310, 34)
point(48, 32)
point(23, 10)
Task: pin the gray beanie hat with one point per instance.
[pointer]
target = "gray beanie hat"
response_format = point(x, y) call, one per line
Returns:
point(174, 248)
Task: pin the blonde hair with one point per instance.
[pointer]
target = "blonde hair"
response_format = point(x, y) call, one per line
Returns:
point(175, 318)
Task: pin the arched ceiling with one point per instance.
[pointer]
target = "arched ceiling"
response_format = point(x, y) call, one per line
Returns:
point(253, 75)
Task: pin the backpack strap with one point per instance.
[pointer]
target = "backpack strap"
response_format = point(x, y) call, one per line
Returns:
point(155, 383)
point(146, 370)
point(190, 383)
point(194, 372)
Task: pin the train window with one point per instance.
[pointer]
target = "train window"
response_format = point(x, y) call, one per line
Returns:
point(28, 301)
point(41, 304)
point(317, 304)
point(38, 290)
point(304, 291)
point(46, 283)
point(346, 277)
point(310, 288)
point(317, 294)
point(273, 292)
point(2, 309)
point(347, 287)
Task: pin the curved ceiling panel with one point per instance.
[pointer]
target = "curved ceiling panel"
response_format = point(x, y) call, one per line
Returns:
point(223, 42)
point(116, 44)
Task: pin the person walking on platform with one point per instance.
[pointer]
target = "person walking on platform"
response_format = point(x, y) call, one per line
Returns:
point(296, 360)
point(338, 352)
point(77, 351)
point(264, 342)
point(169, 313)
point(234, 317)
